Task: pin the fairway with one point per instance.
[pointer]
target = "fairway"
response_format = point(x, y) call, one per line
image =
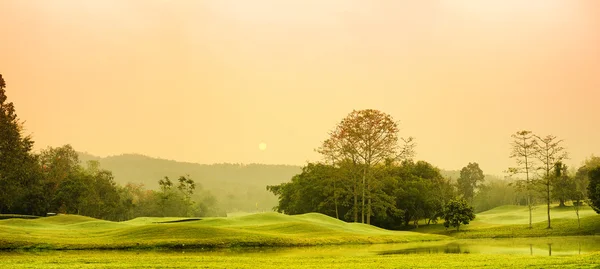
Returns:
point(512, 214)
point(512, 222)
point(258, 230)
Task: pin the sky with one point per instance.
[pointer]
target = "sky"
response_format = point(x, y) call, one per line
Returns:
point(209, 81)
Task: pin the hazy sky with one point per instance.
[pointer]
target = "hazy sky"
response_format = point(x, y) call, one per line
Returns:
point(207, 81)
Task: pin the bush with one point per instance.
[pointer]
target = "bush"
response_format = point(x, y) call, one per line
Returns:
point(458, 212)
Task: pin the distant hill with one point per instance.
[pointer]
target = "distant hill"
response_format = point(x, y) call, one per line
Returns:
point(237, 187)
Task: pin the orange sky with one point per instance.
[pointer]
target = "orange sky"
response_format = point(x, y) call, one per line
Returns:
point(207, 81)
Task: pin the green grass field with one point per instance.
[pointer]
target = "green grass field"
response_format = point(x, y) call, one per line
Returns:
point(128, 259)
point(265, 229)
point(314, 241)
point(512, 221)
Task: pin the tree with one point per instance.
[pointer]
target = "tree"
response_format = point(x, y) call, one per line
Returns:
point(58, 164)
point(166, 194)
point(594, 189)
point(104, 198)
point(470, 176)
point(421, 191)
point(70, 196)
point(19, 174)
point(458, 212)
point(549, 152)
point(307, 191)
point(563, 185)
point(186, 187)
point(366, 138)
point(582, 177)
point(567, 187)
point(524, 151)
point(406, 192)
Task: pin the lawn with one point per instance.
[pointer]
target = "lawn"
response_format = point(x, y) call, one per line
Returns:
point(512, 221)
point(130, 259)
point(265, 229)
point(272, 240)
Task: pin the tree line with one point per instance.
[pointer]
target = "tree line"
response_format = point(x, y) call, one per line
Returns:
point(54, 181)
point(368, 175)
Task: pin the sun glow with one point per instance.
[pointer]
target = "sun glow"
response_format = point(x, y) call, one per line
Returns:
point(262, 146)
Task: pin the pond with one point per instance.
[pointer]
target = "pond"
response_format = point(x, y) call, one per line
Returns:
point(548, 246)
point(521, 246)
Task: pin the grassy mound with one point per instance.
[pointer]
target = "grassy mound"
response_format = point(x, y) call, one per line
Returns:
point(520, 214)
point(266, 229)
point(513, 221)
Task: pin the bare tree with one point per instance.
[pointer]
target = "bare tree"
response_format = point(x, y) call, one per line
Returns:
point(549, 152)
point(524, 151)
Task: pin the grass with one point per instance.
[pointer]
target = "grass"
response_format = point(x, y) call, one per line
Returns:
point(512, 221)
point(130, 259)
point(327, 242)
point(520, 214)
point(264, 230)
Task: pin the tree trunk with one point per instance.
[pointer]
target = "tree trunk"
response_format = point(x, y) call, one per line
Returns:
point(548, 200)
point(337, 213)
point(562, 202)
point(548, 188)
point(355, 202)
point(528, 187)
point(369, 212)
point(369, 203)
point(529, 205)
point(363, 194)
point(335, 201)
point(577, 212)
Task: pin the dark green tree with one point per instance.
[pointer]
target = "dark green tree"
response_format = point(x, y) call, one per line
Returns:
point(470, 178)
point(568, 188)
point(563, 185)
point(458, 212)
point(594, 189)
point(59, 164)
point(307, 191)
point(103, 200)
point(20, 185)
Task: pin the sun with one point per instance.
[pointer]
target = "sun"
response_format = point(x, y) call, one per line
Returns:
point(262, 146)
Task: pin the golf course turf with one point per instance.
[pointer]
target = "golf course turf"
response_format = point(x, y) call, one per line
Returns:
point(273, 240)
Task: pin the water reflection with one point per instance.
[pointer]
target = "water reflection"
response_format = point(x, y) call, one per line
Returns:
point(537, 246)
point(556, 246)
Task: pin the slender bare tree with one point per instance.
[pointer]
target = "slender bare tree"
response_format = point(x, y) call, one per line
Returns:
point(549, 152)
point(524, 152)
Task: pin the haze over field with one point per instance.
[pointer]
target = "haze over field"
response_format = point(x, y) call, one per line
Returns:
point(208, 81)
